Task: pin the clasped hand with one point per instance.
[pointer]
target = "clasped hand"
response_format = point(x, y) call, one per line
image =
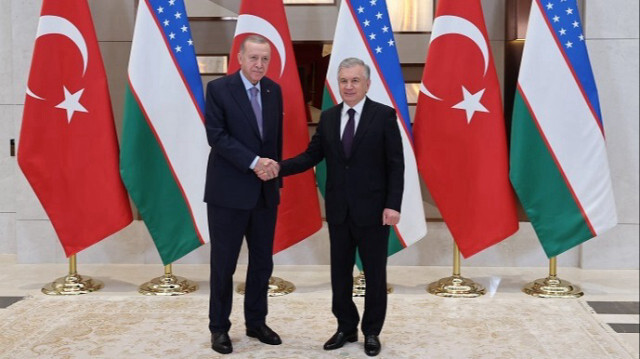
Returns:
point(266, 169)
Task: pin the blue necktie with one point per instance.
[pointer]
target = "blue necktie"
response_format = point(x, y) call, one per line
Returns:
point(256, 107)
point(349, 130)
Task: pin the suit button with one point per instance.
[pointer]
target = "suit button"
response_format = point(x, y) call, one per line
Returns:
point(346, 167)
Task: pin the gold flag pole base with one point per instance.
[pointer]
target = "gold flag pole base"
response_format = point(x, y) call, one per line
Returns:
point(456, 287)
point(73, 283)
point(552, 286)
point(277, 287)
point(168, 285)
point(360, 287)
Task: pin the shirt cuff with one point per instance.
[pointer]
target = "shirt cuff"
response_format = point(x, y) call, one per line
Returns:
point(254, 163)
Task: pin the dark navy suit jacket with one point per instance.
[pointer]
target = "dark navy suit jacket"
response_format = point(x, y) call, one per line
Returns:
point(235, 141)
point(371, 179)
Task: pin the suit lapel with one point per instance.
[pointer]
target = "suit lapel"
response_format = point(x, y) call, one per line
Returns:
point(268, 107)
point(239, 94)
point(335, 131)
point(366, 118)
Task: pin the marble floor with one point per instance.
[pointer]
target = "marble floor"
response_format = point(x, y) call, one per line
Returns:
point(612, 294)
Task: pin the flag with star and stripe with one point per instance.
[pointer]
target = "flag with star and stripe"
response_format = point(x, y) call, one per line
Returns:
point(364, 31)
point(68, 148)
point(461, 141)
point(164, 146)
point(559, 165)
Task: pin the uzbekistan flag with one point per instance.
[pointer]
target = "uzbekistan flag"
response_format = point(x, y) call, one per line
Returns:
point(364, 31)
point(164, 146)
point(559, 165)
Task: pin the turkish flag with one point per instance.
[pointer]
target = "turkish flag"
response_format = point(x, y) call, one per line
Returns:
point(299, 211)
point(459, 130)
point(68, 148)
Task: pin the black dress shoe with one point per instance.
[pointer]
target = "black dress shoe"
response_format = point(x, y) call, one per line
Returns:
point(371, 345)
point(264, 334)
point(339, 339)
point(221, 342)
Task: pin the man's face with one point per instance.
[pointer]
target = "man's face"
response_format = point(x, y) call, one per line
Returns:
point(254, 60)
point(353, 84)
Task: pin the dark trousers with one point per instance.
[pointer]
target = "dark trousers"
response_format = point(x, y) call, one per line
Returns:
point(227, 228)
point(372, 243)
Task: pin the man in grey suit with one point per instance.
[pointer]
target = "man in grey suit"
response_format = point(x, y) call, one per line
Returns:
point(360, 141)
point(243, 120)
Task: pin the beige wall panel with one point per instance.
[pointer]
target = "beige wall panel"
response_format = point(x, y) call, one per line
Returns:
point(28, 206)
point(615, 66)
point(231, 5)
point(312, 23)
point(615, 249)
point(206, 8)
point(606, 19)
point(6, 59)
point(7, 232)
point(213, 37)
point(36, 242)
point(8, 164)
point(412, 48)
point(23, 34)
point(126, 246)
point(498, 49)
point(313, 250)
point(115, 56)
point(494, 11)
point(113, 19)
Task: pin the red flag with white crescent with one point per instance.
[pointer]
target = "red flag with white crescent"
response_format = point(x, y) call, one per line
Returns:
point(459, 130)
point(299, 210)
point(68, 149)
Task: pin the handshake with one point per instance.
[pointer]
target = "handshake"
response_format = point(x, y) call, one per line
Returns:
point(266, 169)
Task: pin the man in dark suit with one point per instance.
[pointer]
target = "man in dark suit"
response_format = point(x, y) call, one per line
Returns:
point(244, 129)
point(361, 143)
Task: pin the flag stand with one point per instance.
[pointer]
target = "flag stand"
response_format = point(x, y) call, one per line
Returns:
point(168, 285)
point(552, 286)
point(360, 287)
point(73, 283)
point(456, 286)
point(277, 287)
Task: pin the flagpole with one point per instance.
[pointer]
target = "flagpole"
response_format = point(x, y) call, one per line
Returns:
point(277, 287)
point(552, 286)
point(456, 286)
point(168, 285)
point(360, 286)
point(73, 283)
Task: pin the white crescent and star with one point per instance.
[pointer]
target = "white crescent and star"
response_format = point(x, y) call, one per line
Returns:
point(447, 25)
point(56, 25)
point(257, 25)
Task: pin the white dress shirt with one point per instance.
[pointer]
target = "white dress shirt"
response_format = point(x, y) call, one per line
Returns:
point(345, 116)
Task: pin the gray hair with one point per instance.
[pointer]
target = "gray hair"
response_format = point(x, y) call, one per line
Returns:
point(354, 61)
point(256, 39)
